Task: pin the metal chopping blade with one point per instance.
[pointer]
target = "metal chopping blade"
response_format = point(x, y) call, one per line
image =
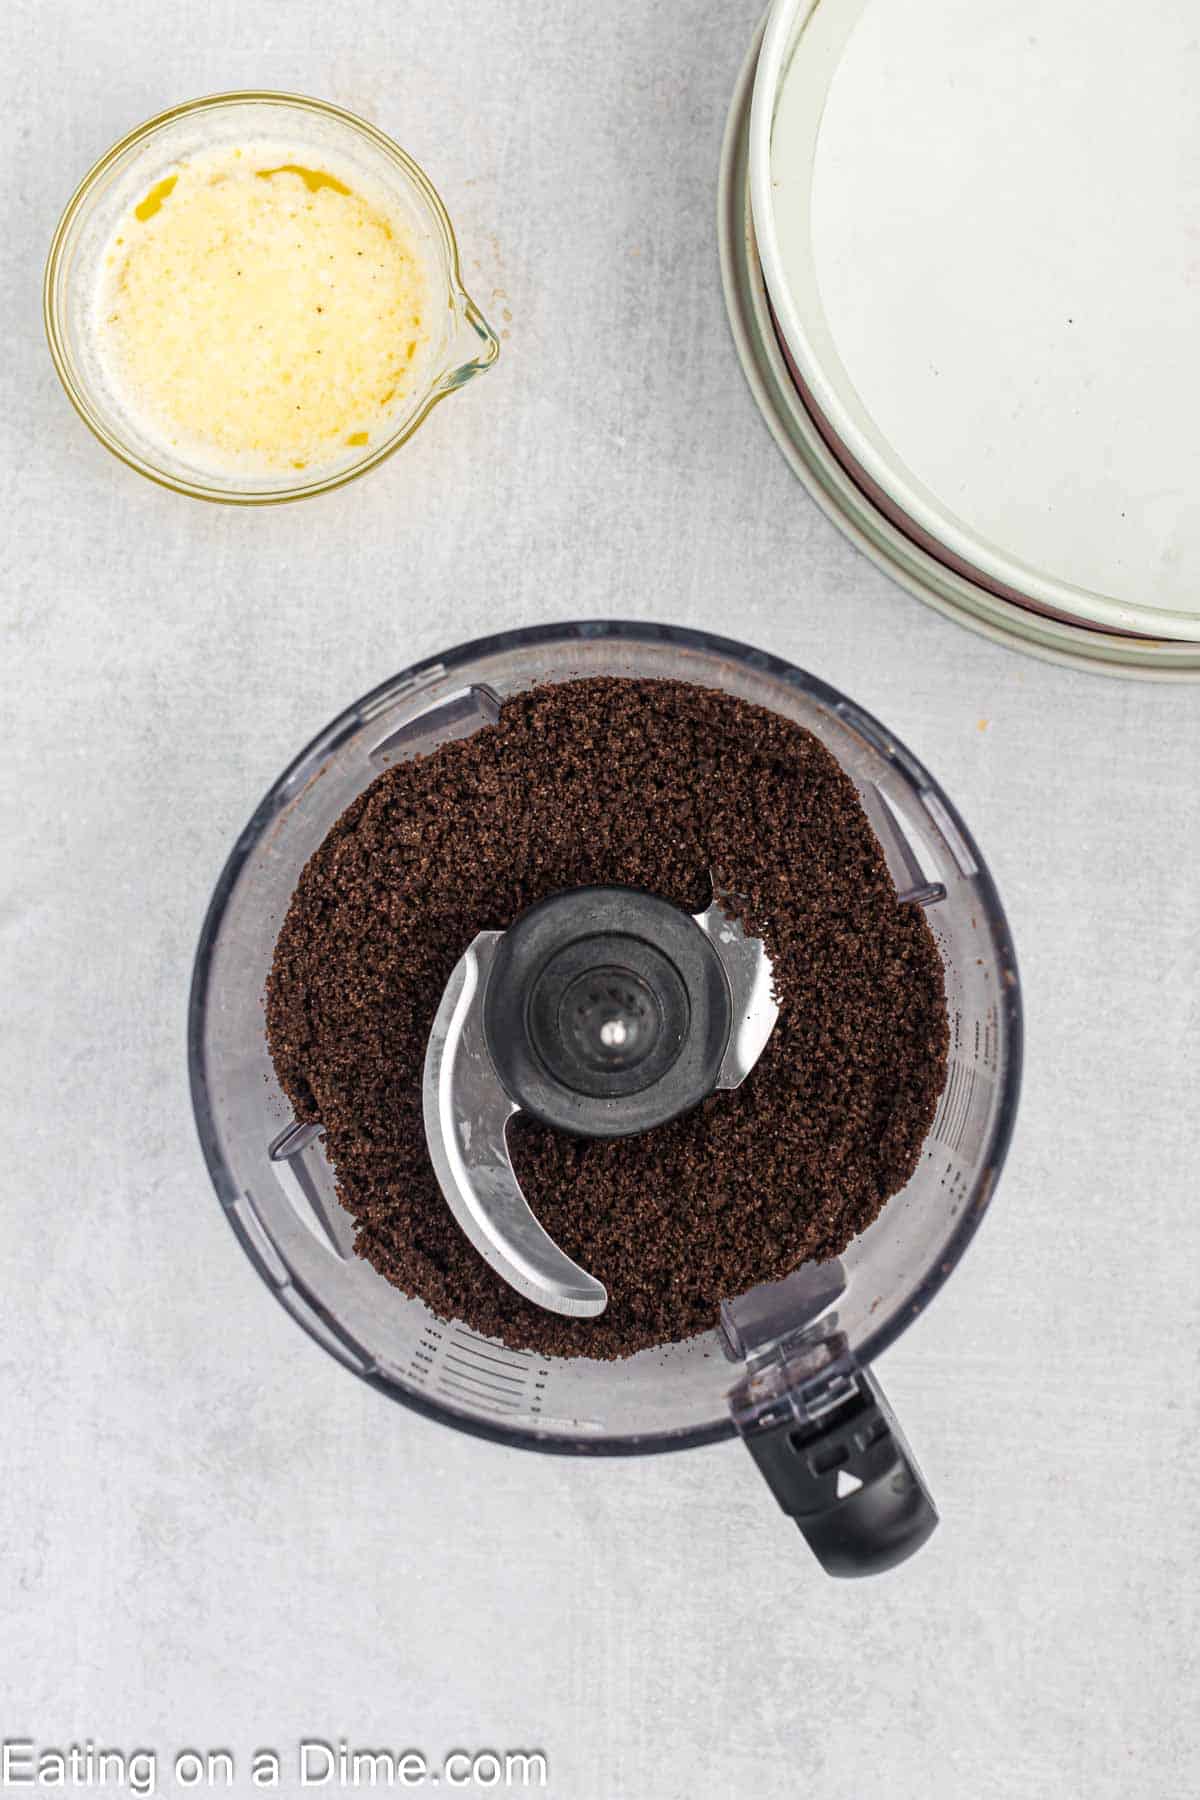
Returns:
point(467, 1110)
point(466, 1118)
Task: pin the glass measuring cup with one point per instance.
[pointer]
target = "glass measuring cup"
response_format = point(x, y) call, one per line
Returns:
point(461, 344)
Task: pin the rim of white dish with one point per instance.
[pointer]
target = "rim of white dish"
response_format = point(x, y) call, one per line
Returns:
point(1064, 600)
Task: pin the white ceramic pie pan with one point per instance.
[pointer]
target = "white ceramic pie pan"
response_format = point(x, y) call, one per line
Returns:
point(981, 242)
point(824, 475)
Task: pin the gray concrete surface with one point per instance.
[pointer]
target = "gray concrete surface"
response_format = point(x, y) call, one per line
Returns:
point(210, 1536)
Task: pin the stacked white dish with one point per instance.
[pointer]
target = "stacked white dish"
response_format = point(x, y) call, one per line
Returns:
point(959, 257)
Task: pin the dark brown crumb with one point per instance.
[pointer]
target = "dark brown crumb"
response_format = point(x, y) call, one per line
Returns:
point(659, 785)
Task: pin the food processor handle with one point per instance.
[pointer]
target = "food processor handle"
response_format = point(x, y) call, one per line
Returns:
point(849, 1480)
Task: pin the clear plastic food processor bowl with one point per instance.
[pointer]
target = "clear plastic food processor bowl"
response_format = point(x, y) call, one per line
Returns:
point(792, 1345)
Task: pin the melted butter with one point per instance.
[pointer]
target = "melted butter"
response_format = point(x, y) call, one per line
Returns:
point(257, 328)
point(313, 179)
point(146, 209)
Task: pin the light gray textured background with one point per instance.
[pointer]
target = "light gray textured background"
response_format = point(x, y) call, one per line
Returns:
point(209, 1533)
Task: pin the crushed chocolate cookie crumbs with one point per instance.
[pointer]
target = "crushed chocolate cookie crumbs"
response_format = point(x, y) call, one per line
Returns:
point(659, 785)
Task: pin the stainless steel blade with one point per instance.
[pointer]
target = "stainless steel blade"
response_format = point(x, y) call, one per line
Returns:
point(466, 1115)
point(751, 978)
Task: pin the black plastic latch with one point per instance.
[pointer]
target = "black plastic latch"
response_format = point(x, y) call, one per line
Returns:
point(848, 1479)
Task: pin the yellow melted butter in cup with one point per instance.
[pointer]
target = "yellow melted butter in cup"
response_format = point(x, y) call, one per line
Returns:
point(263, 312)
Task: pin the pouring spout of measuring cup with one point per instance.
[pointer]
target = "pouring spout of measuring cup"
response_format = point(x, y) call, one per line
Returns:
point(473, 345)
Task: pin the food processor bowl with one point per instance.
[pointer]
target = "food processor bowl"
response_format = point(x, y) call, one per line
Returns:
point(787, 1359)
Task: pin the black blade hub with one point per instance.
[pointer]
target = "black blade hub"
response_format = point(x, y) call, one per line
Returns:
point(607, 1012)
